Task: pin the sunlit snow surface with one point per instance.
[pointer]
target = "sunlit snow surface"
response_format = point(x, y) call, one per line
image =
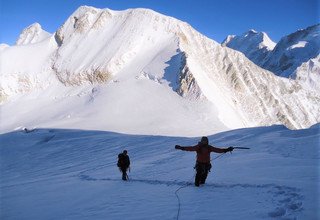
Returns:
point(162, 79)
point(72, 174)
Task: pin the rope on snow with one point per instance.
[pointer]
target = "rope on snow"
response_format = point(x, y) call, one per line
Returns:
point(188, 184)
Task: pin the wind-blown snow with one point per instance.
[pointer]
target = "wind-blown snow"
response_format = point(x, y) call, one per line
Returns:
point(72, 174)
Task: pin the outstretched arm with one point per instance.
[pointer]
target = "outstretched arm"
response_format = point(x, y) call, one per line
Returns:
point(191, 148)
point(221, 150)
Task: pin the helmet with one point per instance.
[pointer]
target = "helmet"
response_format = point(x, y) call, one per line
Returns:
point(125, 152)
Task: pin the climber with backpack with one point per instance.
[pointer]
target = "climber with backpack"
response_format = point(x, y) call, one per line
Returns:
point(203, 164)
point(124, 164)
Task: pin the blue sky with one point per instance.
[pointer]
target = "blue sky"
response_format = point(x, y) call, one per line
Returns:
point(214, 18)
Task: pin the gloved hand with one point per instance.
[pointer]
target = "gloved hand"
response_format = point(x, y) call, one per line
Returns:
point(230, 149)
point(177, 147)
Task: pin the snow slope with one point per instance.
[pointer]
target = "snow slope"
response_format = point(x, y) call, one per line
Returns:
point(146, 72)
point(72, 174)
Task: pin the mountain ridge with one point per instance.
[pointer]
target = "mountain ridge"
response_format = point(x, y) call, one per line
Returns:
point(139, 47)
point(286, 56)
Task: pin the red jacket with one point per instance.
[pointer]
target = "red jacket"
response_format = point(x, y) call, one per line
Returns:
point(203, 152)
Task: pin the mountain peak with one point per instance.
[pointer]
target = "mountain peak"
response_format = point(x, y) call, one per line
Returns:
point(32, 34)
point(250, 32)
point(228, 39)
point(255, 45)
point(293, 50)
point(288, 57)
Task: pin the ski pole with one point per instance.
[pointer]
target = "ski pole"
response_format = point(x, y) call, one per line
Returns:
point(241, 148)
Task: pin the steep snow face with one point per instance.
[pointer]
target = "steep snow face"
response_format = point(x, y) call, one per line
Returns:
point(120, 38)
point(309, 74)
point(32, 34)
point(240, 88)
point(139, 97)
point(25, 68)
point(137, 71)
point(284, 58)
point(255, 45)
point(293, 50)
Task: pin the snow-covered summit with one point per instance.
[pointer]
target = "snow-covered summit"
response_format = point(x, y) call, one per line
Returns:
point(120, 37)
point(32, 34)
point(255, 45)
point(283, 58)
point(137, 71)
point(228, 39)
point(293, 50)
point(308, 74)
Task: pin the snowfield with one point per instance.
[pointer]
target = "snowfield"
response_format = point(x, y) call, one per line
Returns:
point(72, 174)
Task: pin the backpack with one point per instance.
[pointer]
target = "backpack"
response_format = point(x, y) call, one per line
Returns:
point(120, 160)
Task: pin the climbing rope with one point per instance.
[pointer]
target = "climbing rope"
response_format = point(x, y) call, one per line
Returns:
point(188, 184)
point(176, 193)
point(218, 156)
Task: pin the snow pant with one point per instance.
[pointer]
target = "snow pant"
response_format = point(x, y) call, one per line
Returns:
point(202, 172)
point(124, 173)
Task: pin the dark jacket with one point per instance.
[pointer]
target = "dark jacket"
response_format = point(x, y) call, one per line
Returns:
point(123, 161)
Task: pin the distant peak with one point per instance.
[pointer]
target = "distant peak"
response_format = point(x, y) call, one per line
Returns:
point(267, 42)
point(85, 8)
point(253, 31)
point(228, 39)
point(35, 25)
point(32, 34)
